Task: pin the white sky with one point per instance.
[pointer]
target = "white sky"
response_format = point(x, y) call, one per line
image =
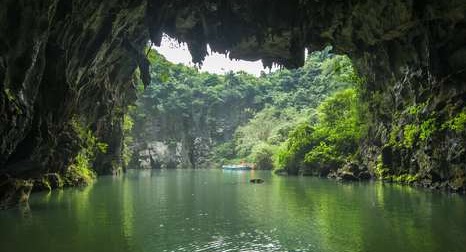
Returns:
point(214, 62)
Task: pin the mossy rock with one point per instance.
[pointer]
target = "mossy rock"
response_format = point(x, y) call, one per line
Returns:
point(458, 181)
point(280, 172)
point(347, 176)
point(365, 175)
point(54, 180)
point(13, 191)
point(41, 185)
point(405, 178)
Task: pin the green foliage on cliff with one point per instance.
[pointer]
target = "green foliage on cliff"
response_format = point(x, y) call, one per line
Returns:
point(81, 172)
point(269, 127)
point(128, 124)
point(290, 156)
point(457, 123)
point(291, 108)
point(416, 109)
point(262, 156)
point(245, 118)
point(381, 171)
point(419, 127)
point(410, 134)
point(427, 129)
point(328, 142)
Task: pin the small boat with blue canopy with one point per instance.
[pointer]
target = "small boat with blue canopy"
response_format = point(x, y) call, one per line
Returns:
point(241, 167)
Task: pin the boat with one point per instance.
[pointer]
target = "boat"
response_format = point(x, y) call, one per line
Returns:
point(241, 167)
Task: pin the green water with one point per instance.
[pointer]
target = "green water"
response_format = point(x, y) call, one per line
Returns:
point(213, 210)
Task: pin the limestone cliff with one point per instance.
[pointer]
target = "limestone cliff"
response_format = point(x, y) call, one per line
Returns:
point(59, 60)
point(180, 138)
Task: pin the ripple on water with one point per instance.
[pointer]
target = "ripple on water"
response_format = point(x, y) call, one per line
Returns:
point(256, 240)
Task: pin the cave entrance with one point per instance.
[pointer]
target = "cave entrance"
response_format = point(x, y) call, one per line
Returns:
point(226, 111)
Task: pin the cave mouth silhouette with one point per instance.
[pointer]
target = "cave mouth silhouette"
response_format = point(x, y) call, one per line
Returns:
point(69, 63)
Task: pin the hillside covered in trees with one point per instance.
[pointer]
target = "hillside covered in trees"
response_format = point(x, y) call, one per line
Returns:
point(188, 118)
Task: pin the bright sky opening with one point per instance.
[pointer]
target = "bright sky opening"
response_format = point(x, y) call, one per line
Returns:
point(177, 52)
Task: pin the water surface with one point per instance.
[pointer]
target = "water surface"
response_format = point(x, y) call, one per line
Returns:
point(215, 210)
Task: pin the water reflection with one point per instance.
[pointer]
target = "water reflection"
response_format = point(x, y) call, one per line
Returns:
point(213, 210)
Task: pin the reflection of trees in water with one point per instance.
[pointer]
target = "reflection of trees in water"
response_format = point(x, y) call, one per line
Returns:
point(194, 209)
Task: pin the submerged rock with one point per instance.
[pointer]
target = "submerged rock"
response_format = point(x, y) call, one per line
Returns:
point(352, 171)
point(347, 176)
point(256, 181)
point(365, 175)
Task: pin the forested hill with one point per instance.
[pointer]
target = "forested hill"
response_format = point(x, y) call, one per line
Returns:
point(188, 118)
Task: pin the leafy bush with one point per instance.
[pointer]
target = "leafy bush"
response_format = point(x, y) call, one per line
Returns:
point(224, 152)
point(80, 172)
point(428, 127)
point(393, 141)
point(322, 154)
point(457, 123)
point(381, 171)
point(128, 124)
point(291, 155)
point(410, 134)
point(262, 156)
point(415, 110)
point(326, 144)
point(270, 126)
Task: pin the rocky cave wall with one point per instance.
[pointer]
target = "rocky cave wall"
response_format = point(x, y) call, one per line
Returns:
point(62, 60)
point(59, 59)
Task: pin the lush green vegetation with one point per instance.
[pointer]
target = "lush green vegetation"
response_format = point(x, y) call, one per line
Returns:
point(457, 123)
point(259, 139)
point(312, 120)
point(329, 141)
point(411, 130)
point(299, 119)
point(81, 172)
point(198, 111)
point(128, 124)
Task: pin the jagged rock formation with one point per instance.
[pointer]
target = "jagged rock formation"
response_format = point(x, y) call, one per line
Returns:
point(62, 58)
point(58, 60)
point(180, 139)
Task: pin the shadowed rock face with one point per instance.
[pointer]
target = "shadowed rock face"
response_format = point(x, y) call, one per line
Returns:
point(59, 59)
